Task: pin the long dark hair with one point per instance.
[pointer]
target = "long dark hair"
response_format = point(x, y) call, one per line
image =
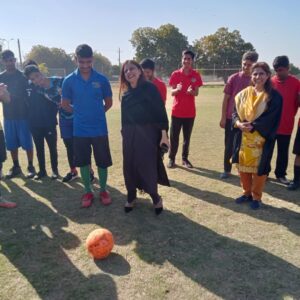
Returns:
point(124, 84)
point(268, 84)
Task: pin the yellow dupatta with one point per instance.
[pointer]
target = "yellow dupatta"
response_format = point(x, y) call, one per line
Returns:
point(250, 106)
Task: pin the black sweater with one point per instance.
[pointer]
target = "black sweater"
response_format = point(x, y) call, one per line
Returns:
point(142, 106)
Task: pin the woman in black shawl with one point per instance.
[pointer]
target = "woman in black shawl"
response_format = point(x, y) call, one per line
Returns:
point(144, 131)
point(255, 120)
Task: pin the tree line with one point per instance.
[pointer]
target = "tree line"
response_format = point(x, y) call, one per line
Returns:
point(219, 51)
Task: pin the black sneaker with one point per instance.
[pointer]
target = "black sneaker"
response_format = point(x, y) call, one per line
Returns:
point(293, 186)
point(13, 172)
point(69, 177)
point(31, 172)
point(171, 164)
point(243, 199)
point(40, 175)
point(186, 163)
point(255, 204)
point(283, 180)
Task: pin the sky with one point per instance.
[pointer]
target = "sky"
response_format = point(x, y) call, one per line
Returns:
point(272, 27)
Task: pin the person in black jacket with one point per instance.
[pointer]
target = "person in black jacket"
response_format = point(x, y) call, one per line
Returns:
point(144, 130)
point(255, 120)
point(42, 119)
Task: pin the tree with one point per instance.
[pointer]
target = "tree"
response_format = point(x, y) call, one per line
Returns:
point(51, 57)
point(164, 45)
point(102, 64)
point(294, 70)
point(221, 50)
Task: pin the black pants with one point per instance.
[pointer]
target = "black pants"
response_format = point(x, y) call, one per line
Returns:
point(228, 145)
point(283, 143)
point(70, 152)
point(187, 126)
point(40, 134)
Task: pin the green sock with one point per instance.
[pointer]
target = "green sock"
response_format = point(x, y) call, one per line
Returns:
point(102, 173)
point(85, 176)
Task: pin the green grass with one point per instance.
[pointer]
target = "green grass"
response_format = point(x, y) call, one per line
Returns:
point(203, 246)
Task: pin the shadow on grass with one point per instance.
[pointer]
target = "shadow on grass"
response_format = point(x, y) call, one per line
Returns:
point(33, 239)
point(115, 265)
point(226, 267)
point(272, 187)
point(281, 216)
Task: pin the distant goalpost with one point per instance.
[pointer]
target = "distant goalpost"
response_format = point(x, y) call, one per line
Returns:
point(60, 72)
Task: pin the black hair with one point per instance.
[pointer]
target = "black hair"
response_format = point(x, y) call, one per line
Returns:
point(147, 63)
point(250, 55)
point(29, 62)
point(268, 84)
point(31, 69)
point(84, 51)
point(6, 54)
point(124, 84)
point(188, 52)
point(281, 61)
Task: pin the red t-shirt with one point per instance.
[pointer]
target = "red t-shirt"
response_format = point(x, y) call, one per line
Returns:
point(235, 83)
point(289, 90)
point(161, 88)
point(184, 104)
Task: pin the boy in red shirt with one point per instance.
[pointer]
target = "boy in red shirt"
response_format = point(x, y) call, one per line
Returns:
point(289, 88)
point(235, 83)
point(184, 83)
point(148, 67)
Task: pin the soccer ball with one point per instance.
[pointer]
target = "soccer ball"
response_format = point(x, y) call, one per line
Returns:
point(99, 243)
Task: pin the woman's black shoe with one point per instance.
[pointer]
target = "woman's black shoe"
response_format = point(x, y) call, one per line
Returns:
point(158, 210)
point(128, 209)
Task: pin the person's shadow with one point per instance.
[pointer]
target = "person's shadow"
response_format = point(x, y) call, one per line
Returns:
point(272, 186)
point(33, 239)
point(288, 218)
point(228, 268)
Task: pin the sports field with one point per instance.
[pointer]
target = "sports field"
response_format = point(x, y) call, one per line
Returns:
point(203, 246)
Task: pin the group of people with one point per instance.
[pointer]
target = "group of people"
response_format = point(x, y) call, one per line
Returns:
point(257, 111)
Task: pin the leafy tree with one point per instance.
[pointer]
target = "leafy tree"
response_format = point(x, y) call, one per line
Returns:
point(51, 57)
point(294, 70)
point(102, 64)
point(164, 45)
point(221, 50)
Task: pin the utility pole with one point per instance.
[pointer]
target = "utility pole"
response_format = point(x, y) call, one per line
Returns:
point(20, 56)
point(119, 55)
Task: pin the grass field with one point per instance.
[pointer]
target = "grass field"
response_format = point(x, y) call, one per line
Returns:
point(203, 246)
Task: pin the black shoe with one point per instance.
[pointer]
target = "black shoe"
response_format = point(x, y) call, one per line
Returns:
point(13, 172)
point(159, 210)
point(40, 175)
point(171, 164)
point(243, 199)
point(31, 172)
point(283, 180)
point(294, 185)
point(255, 204)
point(186, 163)
point(128, 207)
point(70, 177)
